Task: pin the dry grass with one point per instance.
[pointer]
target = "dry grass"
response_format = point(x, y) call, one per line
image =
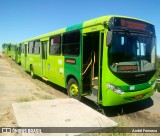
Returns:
point(24, 99)
point(43, 85)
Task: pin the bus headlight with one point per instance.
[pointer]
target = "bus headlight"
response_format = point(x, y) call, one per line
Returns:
point(115, 89)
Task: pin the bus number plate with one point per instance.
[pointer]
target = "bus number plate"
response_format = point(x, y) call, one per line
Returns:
point(138, 96)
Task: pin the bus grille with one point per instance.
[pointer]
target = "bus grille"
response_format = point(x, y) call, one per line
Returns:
point(135, 78)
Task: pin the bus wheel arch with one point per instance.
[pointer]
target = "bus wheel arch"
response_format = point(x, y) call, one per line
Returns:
point(73, 88)
point(32, 71)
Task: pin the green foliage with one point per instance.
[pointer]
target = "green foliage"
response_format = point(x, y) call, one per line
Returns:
point(158, 66)
point(158, 87)
point(158, 73)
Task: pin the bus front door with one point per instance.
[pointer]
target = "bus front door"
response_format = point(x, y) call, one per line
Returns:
point(44, 59)
point(90, 64)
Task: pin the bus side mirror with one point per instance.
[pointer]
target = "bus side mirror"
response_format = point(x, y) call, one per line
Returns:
point(109, 38)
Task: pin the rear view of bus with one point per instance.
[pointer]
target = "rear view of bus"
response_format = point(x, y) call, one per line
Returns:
point(130, 60)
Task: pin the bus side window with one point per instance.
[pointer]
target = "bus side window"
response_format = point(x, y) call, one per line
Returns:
point(30, 47)
point(55, 45)
point(22, 48)
point(37, 47)
point(71, 43)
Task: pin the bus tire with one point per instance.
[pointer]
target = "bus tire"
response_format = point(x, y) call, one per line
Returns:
point(32, 72)
point(73, 89)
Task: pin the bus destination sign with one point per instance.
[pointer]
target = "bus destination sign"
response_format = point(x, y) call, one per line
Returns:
point(127, 68)
point(133, 25)
point(118, 23)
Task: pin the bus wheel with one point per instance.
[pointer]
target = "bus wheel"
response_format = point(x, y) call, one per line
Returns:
point(32, 72)
point(73, 89)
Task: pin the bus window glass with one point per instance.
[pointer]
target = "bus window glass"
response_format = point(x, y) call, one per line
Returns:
point(122, 40)
point(71, 43)
point(141, 49)
point(37, 47)
point(22, 48)
point(55, 45)
point(138, 50)
point(30, 47)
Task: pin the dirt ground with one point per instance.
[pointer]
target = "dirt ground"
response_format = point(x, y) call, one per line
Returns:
point(17, 86)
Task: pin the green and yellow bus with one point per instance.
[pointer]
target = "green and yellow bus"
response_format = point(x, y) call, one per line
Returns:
point(13, 51)
point(18, 53)
point(110, 59)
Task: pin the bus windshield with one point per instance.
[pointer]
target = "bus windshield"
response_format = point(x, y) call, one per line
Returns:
point(132, 52)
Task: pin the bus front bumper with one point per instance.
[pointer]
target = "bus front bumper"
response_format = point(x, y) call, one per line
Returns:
point(111, 98)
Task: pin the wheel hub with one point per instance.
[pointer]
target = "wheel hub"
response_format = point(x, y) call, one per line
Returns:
point(73, 90)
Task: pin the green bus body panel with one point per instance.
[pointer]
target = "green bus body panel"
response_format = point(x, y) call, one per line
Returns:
point(72, 69)
point(22, 61)
point(18, 54)
point(18, 59)
point(35, 61)
point(74, 27)
point(13, 51)
point(55, 68)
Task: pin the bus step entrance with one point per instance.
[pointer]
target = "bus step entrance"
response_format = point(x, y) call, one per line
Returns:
point(95, 90)
point(95, 81)
point(91, 97)
point(94, 95)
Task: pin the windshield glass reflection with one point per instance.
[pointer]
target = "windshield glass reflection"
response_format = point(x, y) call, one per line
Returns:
point(132, 52)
